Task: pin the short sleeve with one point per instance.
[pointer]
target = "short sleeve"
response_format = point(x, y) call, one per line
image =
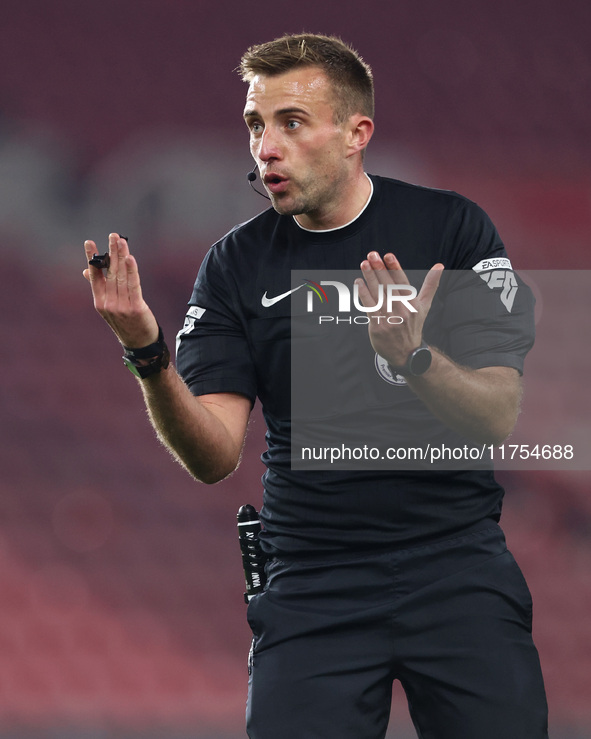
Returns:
point(470, 236)
point(213, 353)
point(483, 313)
point(484, 319)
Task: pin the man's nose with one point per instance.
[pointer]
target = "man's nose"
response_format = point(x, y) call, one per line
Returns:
point(269, 145)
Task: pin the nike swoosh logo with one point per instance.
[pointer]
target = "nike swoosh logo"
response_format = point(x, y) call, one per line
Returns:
point(268, 302)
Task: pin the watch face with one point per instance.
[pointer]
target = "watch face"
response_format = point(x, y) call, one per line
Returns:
point(421, 361)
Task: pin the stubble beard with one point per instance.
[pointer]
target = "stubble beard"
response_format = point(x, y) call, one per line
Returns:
point(311, 199)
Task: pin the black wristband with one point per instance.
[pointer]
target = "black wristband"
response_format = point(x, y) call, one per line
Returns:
point(147, 352)
point(147, 360)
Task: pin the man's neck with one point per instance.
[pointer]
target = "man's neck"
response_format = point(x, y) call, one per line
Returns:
point(350, 205)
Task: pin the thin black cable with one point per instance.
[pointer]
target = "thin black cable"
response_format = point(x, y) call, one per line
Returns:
point(251, 177)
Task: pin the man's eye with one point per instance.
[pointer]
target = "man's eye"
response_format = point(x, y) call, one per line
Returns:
point(292, 125)
point(256, 127)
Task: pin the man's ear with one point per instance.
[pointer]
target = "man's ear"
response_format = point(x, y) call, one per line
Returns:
point(360, 131)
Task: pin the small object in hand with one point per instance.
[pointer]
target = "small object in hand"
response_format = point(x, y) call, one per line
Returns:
point(101, 261)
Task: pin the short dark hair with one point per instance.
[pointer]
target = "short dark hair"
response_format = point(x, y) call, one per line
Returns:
point(351, 77)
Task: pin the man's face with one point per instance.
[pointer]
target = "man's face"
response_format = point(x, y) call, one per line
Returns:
point(299, 149)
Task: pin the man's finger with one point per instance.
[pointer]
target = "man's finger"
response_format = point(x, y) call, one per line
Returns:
point(376, 273)
point(432, 279)
point(430, 284)
point(123, 246)
point(371, 279)
point(123, 271)
point(115, 289)
point(89, 249)
point(367, 299)
point(133, 282)
point(379, 269)
point(94, 275)
point(113, 257)
point(397, 274)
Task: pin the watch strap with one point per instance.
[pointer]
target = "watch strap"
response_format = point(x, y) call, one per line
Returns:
point(417, 363)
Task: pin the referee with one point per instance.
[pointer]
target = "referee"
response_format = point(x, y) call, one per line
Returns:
point(375, 574)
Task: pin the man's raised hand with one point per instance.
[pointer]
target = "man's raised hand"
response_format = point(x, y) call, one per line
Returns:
point(117, 294)
point(394, 341)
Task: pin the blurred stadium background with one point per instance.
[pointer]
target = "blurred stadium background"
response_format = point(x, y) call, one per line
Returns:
point(121, 612)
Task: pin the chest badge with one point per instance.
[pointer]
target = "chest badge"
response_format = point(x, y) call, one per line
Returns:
point(385, 372)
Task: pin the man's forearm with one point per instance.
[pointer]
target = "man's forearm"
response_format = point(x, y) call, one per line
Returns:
point(205, 434)
point(481, 404)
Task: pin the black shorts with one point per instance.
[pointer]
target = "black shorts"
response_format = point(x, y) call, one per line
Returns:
point(451, 620)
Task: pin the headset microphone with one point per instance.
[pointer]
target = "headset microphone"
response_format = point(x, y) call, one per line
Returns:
point(251, 177)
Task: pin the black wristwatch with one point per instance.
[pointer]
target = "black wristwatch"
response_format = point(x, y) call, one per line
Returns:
point(148, 360)
point(418, 362)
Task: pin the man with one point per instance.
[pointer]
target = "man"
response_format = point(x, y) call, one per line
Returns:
point(373, 575)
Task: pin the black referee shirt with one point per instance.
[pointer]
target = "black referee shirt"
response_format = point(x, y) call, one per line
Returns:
point(237, 338)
